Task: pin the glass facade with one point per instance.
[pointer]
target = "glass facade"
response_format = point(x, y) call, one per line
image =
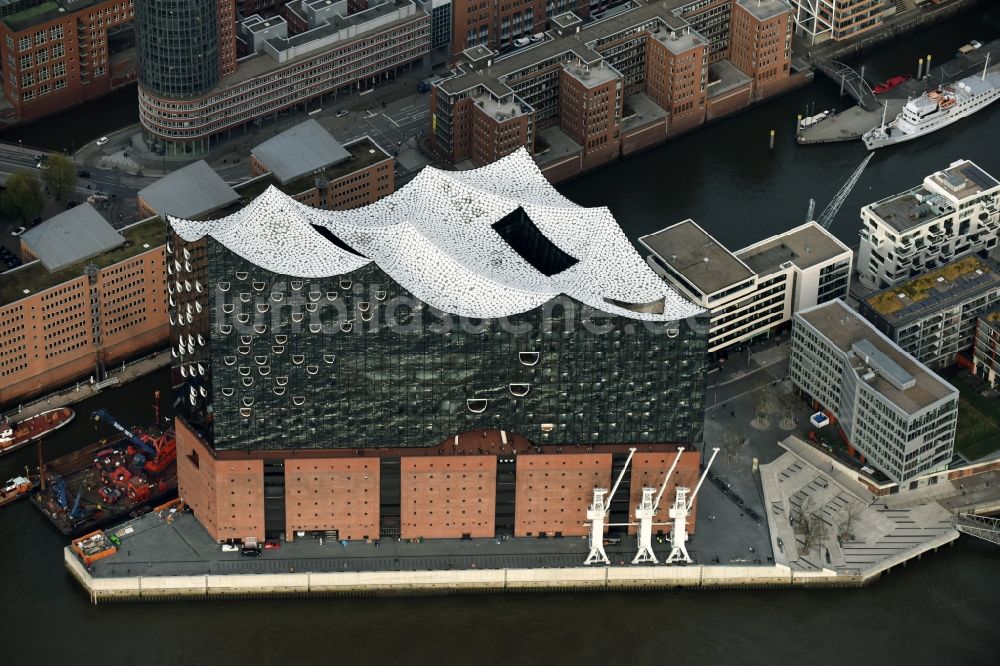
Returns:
point(441, 26)
point(178, 46)
point(355, 361)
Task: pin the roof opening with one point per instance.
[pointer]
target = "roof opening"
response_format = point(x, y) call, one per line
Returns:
point(531, 244)
point(327, 234)
point(652, 307)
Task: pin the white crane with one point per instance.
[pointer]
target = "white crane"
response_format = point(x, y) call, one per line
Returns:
point(825, 218)
point(644, 514)
point(679, 514)
point(598, 513)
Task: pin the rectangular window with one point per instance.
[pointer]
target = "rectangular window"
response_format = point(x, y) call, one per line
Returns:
point(58, 51)
point(42, 55)
point(26, 61)
point(43, 74)
point(56, 32)
point(27, 80)
point(60, 84)
point(59, 69)
point(40, 37)
point(23, 43)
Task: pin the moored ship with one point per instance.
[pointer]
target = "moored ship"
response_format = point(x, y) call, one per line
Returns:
point(890, 83)
point(110, 479)
point(14, 435)
point(16, 488)
point(936, 109)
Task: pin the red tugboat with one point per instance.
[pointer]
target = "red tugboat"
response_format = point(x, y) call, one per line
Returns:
point(15, 435)
point(891, 83)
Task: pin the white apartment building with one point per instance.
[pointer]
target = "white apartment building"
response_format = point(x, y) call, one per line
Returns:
point(893, 410)
point(955, 212)
point(754, 290)
point(819, 20)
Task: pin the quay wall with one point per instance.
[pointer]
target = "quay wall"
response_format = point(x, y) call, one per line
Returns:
point(469, 581)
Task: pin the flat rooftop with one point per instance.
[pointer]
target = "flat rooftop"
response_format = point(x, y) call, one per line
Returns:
point(253, 66)
point(949, 285)
point(845, 328)
point(699, 258)
point(592, 76)
point(498, 110)
point(764, 9)
point(805, 247)
point(964, 179)
point(303, 149)
point(34, 277)
point(565, 49)
point(46, 11)
point(912, 209)
point(679, 40)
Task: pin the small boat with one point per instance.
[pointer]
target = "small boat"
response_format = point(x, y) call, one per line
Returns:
point(16, 488)
point(890, 83)
point(15, 435)
point(969, 48)
point(812, 120)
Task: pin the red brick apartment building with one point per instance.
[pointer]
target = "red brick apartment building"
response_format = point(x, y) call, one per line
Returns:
point(589, 92)
point(58, 53)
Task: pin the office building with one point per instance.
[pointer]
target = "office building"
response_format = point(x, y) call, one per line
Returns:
point(986, 350)
point(417, 366)
point(892, 410)
point(86, 297)
point(753, 291)
point(817, 21)
point(307, 163)
point(59, 53)
point(321, 48)
point(584, 93)
point(953, 213)
point(933, 317)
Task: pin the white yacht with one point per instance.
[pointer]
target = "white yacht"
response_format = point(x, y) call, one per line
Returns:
point(936, 109)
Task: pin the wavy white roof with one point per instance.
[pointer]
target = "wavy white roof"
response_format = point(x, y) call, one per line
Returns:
point(435, 238)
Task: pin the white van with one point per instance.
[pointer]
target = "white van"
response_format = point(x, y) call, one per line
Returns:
point(522, 41)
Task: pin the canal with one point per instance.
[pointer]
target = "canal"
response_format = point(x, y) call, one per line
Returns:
point(943, 609)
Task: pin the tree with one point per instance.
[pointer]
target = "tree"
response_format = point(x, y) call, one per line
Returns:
point(789, 402)
point(765, 403)
point(59, 175)
point(23, 197)
point(733, 443)
point(850, 514)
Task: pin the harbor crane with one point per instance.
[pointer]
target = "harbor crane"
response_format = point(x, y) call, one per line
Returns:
point(105, 415)
point(644, 514)
point(598, 513)
point(825, 218)
point(679, 515)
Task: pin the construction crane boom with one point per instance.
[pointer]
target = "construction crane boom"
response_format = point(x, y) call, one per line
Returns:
point(825, 218)
point(104, 415)
point(715, 452)
point(670, 471)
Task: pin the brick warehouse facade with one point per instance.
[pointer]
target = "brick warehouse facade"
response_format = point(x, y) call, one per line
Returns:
point(59, 53)
point(350, 426)
point(73, 322)
point(688, 62)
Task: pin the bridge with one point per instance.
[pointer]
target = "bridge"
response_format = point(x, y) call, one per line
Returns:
point(850, 82)
point(982, 527)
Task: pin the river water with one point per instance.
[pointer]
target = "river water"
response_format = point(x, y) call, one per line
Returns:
point(943, 609)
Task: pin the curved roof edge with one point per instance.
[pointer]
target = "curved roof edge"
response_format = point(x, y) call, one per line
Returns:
point(489, 242)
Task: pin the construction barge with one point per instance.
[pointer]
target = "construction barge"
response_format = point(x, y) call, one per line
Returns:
point(110, 480)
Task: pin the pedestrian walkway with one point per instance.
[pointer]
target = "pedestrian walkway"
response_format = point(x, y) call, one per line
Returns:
point(85, 389)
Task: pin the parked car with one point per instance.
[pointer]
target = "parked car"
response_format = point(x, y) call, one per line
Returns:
point(18, 231)
point(272, 545)
point(522, 41)
point(230, 548)
point(103, 140)
point(342, 113)
point(83, 174)
point(537, 37)
point(70, 204)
